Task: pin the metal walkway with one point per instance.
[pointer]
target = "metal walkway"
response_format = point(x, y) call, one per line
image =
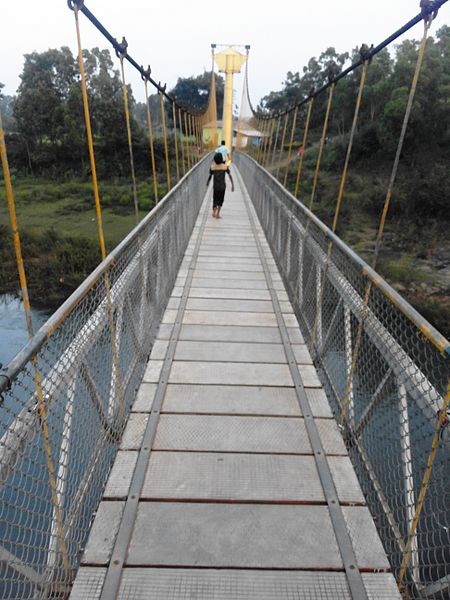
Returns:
point(232, 480)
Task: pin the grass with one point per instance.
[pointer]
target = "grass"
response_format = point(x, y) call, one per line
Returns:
point(68, 208)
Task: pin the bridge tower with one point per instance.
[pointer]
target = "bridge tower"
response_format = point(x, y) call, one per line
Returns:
point(229, 62)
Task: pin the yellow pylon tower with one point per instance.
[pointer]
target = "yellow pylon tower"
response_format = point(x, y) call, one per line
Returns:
point(229, 62)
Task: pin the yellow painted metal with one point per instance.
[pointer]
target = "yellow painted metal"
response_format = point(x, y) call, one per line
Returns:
point(130, 141)
point(98, 210)
point(270, 130)
point(150, 139)
point(440, 422)
point(305, 139)
point(291, 141)
point(41, 405)
point(229, 62)
point(322, 144)
point(186, 133)
point(180, 121)
point(364, 309)
point(340, 195)
point(283, 139)
point(175, 135)
point(166, 147)
point(275, 145)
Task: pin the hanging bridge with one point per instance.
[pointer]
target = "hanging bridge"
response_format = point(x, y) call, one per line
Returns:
point(238, 408)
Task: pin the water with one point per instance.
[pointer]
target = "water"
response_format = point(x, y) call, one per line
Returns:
point(13, 328)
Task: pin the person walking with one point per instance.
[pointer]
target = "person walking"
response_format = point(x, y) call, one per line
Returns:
point(223, 151)
point(218, 170)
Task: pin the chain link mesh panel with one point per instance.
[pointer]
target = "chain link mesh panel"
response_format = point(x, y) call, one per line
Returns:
point(398, 385)
point(88, 385)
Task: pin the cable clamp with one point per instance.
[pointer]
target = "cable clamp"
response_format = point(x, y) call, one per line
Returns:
point(75, 4)
point(428, 10)
point(145, 74)
point(366, 53)
point(121, 49)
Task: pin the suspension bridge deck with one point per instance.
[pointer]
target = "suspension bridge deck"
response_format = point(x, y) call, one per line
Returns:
point(232, 480)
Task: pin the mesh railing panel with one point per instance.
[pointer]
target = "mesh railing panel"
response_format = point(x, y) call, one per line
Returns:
point(86, 403)
point(399, 383)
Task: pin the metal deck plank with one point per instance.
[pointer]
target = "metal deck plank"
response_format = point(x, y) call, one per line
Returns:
point(228, 399)
point(212, 433)
point(230, 333)
point(233, 535)
point(224, 373)
point(232, 477)
point(230, 352)
point(229, 293)
point(241, 305)
point(224, 584)
point(199, 317)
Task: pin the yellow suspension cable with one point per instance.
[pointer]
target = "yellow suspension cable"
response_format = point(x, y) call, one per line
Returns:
point(369, 285)
point(441, 421)
point(322, 144)
point(283, 139)
point(186, 132)
point(175, 135)
point(196, 138)
point(98, 210)
point(130, 142)
point(192, 141)
point(166, 146)
point(305, 139)
point(150, 139)
point(41, 404)
point(180, 122)
point(340, 194)
point(270, 130)
point(277, 133)
point(291, 141)
point(263, 140)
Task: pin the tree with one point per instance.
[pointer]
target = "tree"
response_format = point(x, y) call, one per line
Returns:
point(193, 92)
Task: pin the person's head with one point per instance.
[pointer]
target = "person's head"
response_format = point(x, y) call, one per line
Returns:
point(223, 143)
point(218, 159)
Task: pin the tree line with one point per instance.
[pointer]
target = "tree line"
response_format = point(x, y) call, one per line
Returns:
point(44, 121)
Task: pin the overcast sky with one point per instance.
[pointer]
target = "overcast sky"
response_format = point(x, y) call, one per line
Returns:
point(174, 36)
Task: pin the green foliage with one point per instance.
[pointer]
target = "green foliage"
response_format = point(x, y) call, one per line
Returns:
point(194, 91)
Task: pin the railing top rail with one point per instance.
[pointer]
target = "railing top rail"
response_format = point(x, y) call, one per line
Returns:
point(10, 372)
point(430, 332)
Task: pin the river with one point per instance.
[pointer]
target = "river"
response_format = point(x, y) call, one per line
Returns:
point(13, 328)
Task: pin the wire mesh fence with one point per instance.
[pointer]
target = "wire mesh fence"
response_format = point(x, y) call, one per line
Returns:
point(389, 405)
point(90, 359)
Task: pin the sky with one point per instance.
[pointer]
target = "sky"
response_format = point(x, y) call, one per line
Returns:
point(175, 37)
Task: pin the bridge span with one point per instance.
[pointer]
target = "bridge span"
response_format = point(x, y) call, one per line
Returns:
point(232, 479)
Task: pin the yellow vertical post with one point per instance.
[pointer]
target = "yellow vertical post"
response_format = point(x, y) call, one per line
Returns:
point(98, 210)
point(197, 140)
point(166, 146)
point(186, 133)
point(270, 128)
point(283, 139)
point(175, 136)
point(271, 141)
point(305, 139)
point(191, 151)
point(275, 145)
point(41, 404)
point(321, 146)
point(180, 121)
point(150, 139)
point(130, 141)
point(291, 141)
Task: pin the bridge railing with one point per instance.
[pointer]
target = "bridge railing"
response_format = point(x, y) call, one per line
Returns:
point(398, 387)
point(90, 357)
